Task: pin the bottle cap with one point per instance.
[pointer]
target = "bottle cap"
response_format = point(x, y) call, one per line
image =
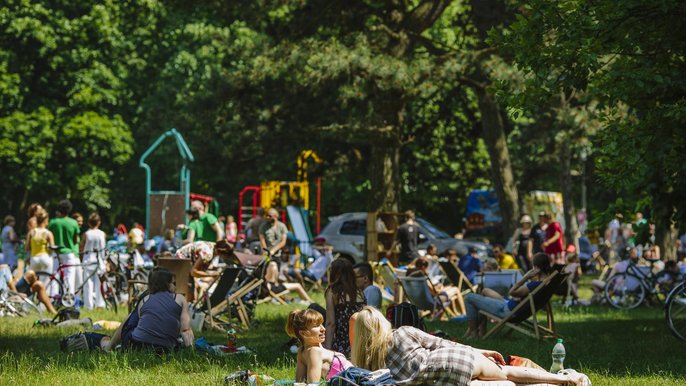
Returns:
point(560, 340)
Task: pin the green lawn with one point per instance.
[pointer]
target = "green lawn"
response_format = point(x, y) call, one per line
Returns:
point(612, 347)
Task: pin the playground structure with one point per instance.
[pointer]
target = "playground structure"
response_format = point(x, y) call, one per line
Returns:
point(164, 209)
point(292, 195)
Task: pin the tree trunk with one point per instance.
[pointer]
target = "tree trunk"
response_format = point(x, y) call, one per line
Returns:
point(666, 233)
point(571, 228)
point(501, 167)
point(385, 173)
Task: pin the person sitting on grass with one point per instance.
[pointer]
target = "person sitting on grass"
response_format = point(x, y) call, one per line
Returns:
point(156, 323)
point(417, 358)
point(25, 286)
point(314, 362)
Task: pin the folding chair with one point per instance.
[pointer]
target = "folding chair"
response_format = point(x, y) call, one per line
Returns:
point(278, 297)
point(418, 292)
point(221, 286)
point(237, 298)
point(500, 281)
point(523, 317)
point(318, 283)
point(458, 279)
point(390, 281)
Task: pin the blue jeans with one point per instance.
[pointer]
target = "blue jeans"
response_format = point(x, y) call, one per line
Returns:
point(474, 302)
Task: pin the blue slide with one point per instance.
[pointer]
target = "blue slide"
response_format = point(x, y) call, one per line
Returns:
point(301, 228)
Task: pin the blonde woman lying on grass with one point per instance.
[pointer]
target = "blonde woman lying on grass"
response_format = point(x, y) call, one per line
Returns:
point(417, 358)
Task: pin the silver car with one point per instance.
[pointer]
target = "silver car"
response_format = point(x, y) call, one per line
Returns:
point(346, 233)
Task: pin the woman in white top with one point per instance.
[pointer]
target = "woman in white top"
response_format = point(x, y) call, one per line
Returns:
point(93, 250)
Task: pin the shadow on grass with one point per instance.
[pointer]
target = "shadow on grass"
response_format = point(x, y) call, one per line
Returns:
point(37, 349)
point(601, 340)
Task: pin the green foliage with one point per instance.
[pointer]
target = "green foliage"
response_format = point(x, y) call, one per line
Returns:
point(629, 57)
point(63, 68)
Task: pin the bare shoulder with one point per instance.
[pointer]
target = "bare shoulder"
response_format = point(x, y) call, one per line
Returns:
point(180, 300)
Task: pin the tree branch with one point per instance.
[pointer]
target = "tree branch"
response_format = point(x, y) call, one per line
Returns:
point(425, 14)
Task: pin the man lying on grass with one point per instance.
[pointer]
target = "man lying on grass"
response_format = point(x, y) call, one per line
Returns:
point(156, 323)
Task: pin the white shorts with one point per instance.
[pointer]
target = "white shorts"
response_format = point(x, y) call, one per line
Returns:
point(41, 263)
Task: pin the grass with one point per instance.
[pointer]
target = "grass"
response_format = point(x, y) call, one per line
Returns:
point(612, 347)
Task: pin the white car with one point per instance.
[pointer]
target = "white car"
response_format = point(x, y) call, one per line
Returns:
point(346, 233)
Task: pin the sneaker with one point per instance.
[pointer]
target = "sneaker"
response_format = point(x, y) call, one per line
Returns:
point(578, 378)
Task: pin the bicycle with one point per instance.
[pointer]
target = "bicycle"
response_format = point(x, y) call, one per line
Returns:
point(13, 304)
point(675, 310)
point(121, 266)
point(629, 289)
point(58, 287)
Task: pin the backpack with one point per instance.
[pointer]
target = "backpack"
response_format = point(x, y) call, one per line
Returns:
point(73, 343)
point(404, 314)
point(68, 313)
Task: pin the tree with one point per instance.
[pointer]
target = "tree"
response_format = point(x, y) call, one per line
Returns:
point(62, 67)
point(629, 57)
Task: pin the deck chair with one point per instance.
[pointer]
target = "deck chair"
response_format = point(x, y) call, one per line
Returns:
point(268, 293)
point(523, 317)
point(278, 297)
point(458, 279)
point(244, 291)
point(500, 281)
point(219, 292)
point(390, 281)
point(418, 292)
point(309, 283)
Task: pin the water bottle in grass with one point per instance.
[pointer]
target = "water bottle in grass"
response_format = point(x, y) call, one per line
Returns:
point(558, 357)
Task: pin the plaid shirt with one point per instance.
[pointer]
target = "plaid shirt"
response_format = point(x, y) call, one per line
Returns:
point(417, 358)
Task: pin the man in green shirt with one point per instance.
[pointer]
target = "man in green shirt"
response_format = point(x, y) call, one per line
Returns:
point(66, 233)
point(193, 230)
point(209, 229)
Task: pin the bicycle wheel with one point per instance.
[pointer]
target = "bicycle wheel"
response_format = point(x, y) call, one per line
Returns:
point(109, 294)
point(675, 311)
point(664, 283)
point(624, 291)
point(53, 287)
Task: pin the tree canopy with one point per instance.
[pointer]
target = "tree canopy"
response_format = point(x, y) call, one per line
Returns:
point(410, 104)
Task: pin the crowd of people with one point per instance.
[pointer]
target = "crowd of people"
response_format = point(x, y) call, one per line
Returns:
point(349, 330)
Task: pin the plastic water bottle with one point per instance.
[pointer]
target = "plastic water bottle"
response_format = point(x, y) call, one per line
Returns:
point(558, 357)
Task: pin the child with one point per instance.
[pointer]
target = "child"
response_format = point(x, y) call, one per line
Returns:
point(314, 362)
point(93, 250)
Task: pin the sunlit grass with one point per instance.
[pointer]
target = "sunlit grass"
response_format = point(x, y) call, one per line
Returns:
point(612, 347)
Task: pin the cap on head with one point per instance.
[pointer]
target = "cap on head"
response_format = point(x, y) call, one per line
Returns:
point(525, 219)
